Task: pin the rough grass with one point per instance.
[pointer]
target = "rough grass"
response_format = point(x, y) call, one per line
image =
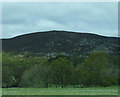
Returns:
point(61, 91)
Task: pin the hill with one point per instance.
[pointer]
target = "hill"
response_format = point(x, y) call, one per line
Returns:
point(51, 43)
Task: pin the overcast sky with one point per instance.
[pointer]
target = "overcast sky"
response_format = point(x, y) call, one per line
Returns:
point(22, 18)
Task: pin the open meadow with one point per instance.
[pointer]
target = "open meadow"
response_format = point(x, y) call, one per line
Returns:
point(61, 91)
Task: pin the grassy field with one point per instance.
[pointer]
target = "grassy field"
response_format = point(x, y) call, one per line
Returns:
point(61, 91)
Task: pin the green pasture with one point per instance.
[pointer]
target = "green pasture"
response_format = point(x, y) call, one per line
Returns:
point(61, 91)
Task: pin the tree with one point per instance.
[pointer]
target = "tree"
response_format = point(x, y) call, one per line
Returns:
point(63, 71)
point(8, 79)
point(76, 59)
point(95, 70)
point(18, 63)
point(36, 76)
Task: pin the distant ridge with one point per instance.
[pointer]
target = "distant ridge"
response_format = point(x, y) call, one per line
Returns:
point(66, 42)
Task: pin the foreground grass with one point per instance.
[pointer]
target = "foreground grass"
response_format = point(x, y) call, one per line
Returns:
point(61, 91)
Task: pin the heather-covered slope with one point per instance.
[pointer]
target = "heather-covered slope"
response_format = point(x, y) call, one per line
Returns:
point(54, 42)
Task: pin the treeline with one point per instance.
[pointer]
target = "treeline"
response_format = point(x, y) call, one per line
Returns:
point(25, 70)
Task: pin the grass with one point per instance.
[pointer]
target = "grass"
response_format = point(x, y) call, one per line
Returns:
point(61, 91)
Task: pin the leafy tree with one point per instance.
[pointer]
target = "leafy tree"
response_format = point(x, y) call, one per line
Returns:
point(8, 79)
point(36, 76)
point(63, 71)
point(76, 59)
point(18, 63)
point(95, 70)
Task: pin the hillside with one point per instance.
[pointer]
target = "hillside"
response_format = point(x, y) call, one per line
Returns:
point(55, 42)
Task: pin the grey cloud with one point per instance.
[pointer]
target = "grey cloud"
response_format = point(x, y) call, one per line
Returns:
point(22, 18)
